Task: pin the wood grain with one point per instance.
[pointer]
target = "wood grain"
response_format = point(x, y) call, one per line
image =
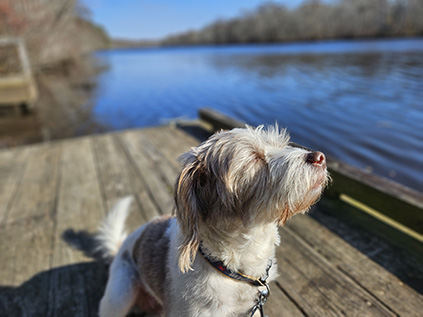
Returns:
point(53, 197)
point(116, 175)
point(12, 165)
point(27, 234)
point(76, 281)
point(305, 274)
point(149, 171)
point(356, 266)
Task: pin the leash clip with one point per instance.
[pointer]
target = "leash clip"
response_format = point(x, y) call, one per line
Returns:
point(262, 298)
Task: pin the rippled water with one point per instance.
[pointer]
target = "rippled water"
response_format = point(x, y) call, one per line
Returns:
point(359, 101)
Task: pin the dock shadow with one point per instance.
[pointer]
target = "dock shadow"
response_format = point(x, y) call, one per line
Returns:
point(83, 241)
point(69, 290)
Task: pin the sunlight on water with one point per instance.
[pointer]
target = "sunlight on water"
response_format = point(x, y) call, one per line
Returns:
point(359, 101)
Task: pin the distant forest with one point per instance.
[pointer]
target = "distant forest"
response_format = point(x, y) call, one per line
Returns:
point(53, 31)
point(312, 20)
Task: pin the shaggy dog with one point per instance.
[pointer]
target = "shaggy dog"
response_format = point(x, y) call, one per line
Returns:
point(232, 193)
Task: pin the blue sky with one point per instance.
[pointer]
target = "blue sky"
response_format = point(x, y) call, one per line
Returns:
point(151, 19)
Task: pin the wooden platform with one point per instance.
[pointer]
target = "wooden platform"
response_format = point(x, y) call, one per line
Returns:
point(53, 196)
point(17, 85)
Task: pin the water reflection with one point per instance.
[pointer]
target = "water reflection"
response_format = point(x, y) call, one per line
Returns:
point(67, 95)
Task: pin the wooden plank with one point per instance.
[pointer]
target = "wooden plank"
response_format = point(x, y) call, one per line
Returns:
point(218, 120)
point(306, 274)
point(279, 303)
point(38, 185)
point(27, 236)
point(80, 204)
point(358, 267)
point(156, 156)
point(149, 171)
point(180, 144)
point(182, 140)
point(24, 262)
point(310, 298)
point(319, 274)
point(392, 199)
point(170, 150)
point(119, 179)
point(76, 282)
point(190, 140)
point(12, 165)
point(32, 215)
point(352, 215)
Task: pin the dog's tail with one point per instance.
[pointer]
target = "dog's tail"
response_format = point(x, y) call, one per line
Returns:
point(111, 233)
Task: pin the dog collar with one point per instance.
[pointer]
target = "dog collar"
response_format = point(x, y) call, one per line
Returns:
point(239, 276)
point(255, 281)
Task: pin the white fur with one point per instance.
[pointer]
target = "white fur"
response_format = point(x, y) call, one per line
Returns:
point(112, 230)
point(250, 168)
point(123, 283)
point(206, 292)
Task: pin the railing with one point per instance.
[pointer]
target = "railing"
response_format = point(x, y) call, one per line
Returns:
point(17, 87)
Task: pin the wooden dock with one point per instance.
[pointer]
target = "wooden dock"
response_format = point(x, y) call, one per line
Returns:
point(53, 196)
point(17, 85)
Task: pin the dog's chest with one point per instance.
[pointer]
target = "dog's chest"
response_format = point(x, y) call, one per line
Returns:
point(209, 293)
point(206, 292)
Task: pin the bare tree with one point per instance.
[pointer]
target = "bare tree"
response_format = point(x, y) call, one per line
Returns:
point(53, 30)
point(312, 20)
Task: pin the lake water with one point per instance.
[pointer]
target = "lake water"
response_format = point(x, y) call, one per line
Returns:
point(358, 101)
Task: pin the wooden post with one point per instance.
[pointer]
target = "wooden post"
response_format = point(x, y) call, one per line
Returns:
point(18, 89)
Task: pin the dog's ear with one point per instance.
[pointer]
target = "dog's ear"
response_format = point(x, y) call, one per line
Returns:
point(190, 203)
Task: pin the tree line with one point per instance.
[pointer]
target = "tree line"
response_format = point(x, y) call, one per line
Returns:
point(53, 30)
point(312, 20)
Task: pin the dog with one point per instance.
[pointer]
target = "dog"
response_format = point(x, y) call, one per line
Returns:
point(216, 254)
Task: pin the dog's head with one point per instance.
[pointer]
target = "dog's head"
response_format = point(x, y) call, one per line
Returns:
point(244, 177)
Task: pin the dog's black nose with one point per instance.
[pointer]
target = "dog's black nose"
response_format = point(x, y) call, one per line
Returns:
point(316, 158)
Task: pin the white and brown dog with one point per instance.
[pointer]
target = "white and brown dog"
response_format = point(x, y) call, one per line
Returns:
point(233, 192)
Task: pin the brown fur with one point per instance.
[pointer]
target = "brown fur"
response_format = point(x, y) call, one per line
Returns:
point(146, 302)
point(231, 192)
point(150, 255)
point(208, 193)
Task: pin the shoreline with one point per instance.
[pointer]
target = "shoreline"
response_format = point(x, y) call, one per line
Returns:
point(158, 44)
